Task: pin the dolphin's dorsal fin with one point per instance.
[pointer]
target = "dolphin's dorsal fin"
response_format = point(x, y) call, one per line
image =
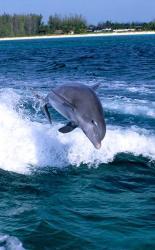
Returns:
point(68, 127)
point(95, 86)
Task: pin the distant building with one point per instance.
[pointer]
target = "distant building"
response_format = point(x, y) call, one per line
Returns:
point(97, 31)
point(103, 30)
point(91, 28)
point(138, 28)
point(71, 32)
point(107, 30)
point(123, 30)
point(58, 32)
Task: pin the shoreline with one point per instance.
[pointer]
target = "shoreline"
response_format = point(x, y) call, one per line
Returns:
point(78, 35)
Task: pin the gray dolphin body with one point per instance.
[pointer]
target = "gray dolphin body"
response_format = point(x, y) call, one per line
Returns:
point(80, 105)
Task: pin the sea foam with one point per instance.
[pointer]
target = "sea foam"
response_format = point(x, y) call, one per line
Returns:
point(26, 144)
point(10, 243)
point(124, 105)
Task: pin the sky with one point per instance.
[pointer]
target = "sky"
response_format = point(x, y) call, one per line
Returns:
point(93, 10)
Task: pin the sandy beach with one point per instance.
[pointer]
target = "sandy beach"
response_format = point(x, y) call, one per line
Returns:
point(78, 35)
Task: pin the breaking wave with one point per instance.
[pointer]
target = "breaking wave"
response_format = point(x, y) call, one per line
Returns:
point(129, 106)
point(27, 144)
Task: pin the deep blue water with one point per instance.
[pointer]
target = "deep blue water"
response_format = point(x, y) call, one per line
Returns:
point(57, 191)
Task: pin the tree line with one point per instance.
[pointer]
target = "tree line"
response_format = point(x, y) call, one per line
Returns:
point(32, 24)
point(129, 25)
point(19, 25)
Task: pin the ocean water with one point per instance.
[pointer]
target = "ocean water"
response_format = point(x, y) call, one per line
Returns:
point(57, 191)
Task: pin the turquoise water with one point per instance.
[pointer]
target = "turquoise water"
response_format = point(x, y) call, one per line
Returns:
point(57, 191)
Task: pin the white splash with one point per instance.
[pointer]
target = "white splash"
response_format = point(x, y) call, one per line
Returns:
point(10, 243)
point(130, 106)
point(24, 143)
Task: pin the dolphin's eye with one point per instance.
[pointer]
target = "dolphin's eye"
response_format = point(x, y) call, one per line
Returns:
point(94, 122)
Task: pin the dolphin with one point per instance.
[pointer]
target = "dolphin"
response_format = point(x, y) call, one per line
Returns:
point(80, 105)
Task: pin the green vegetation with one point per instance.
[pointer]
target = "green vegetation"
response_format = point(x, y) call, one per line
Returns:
point(133, 25)
point(19, 25)
point(32, 24)
point(76, 23)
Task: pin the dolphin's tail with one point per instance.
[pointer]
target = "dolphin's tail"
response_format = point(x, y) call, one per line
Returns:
point(44, 105)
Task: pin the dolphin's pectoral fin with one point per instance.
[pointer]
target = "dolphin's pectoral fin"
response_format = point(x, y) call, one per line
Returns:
point(68, 128)
point(95, 86)
point(46, 112)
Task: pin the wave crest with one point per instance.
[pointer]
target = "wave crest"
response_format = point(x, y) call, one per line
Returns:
point(25, 143)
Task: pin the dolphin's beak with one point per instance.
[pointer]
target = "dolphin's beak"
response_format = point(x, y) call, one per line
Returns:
point(98, 145)
point(92, 133)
